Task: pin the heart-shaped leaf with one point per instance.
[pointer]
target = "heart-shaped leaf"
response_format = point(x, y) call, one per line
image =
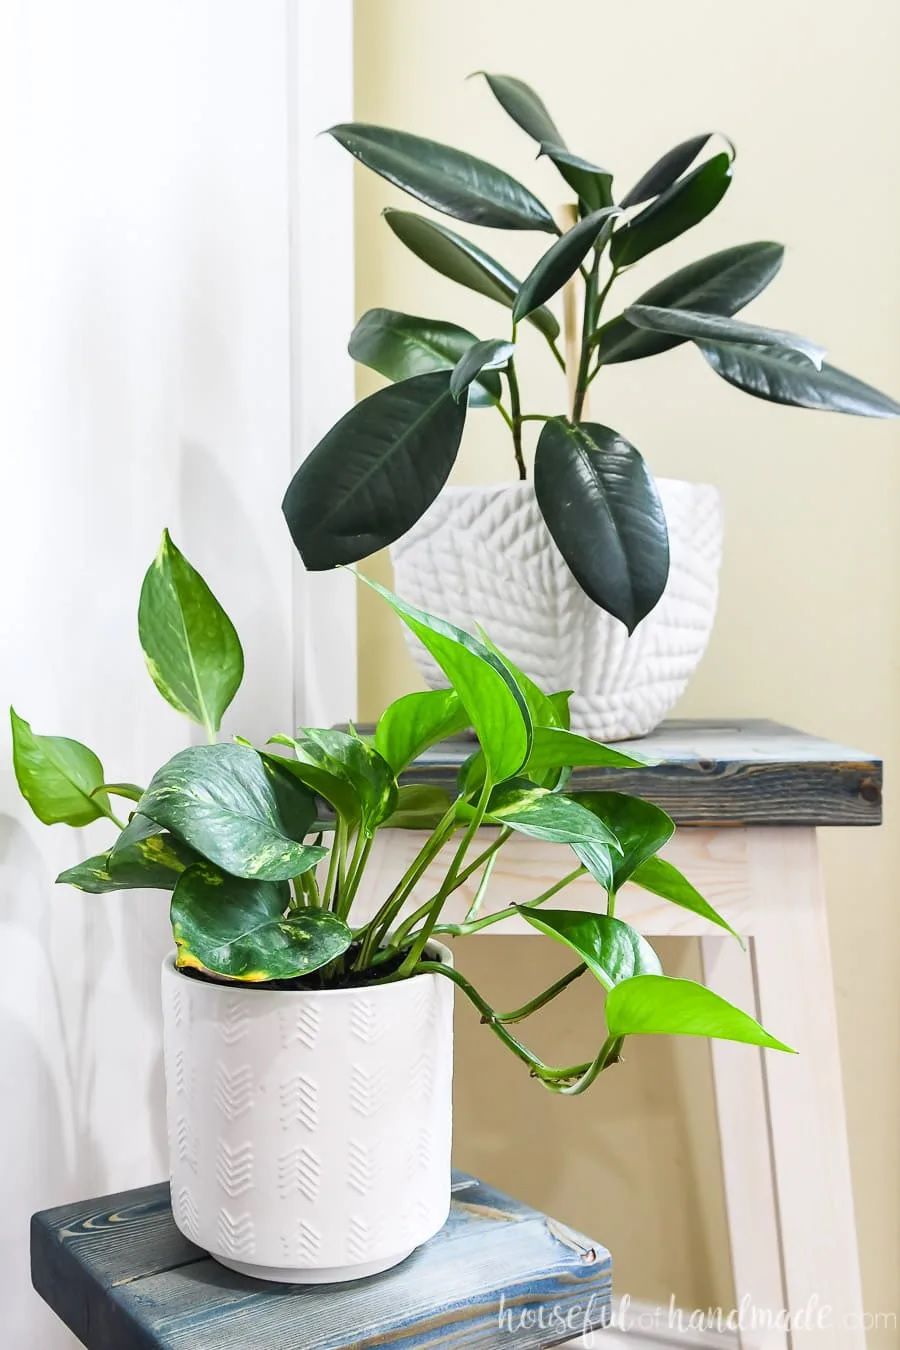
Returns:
point(449, 180)
point(412, 723)
point(699, 327)
point(524, 106)
point(375, 472)
point(333, 788)
point(401, 345)
point(238, 928)
point(781, 376)
point(666, 170)
point(492, 354)
point(221, 800)
point(722, 283)
point(330, 762)
point(659, 1005)
point(464, 262)
point(684, 205)
point(60, 779)
point(193, 653)
point(495, 705)
point(640, 827)
point(419, 807)
point(146, 855)
point(562, 260)
point(661, 878)
point(543, 814)
point(612, 951)
point(592, 184)
point(603, 511)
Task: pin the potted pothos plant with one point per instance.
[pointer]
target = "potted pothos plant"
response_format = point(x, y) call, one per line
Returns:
point(591, 574)
point(307, 1014)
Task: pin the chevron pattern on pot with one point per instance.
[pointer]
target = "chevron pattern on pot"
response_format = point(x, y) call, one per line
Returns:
point(483, 555)
point(308, 1131)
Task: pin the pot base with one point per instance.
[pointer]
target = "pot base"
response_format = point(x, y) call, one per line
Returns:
point(310, 1275)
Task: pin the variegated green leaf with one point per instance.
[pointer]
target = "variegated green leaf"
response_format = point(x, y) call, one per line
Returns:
point(61, 779)
point(193, 652)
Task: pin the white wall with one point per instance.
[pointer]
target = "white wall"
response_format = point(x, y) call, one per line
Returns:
point(149, 341)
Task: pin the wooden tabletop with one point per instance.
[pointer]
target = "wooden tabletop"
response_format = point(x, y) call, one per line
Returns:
point(721, 773)
point(122, 1277)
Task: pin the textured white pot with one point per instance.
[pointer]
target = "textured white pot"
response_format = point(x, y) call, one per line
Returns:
point(483, 555)
point(309, 1133)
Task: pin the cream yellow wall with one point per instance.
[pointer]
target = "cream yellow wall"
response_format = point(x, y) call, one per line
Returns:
point(808, 623)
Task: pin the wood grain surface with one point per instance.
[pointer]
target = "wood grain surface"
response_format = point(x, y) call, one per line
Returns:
point(721, 773)
point(498, 1275)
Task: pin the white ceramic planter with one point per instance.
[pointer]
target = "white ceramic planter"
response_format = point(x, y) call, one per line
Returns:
point(484, 555)
point(309, 1133)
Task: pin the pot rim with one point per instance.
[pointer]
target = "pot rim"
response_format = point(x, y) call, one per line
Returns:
point(170, 970)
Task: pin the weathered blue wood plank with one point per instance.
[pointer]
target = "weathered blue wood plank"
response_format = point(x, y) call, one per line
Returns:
point(499, 1274)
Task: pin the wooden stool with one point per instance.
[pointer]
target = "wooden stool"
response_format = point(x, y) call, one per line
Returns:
point(122, 1277)
point(747, 796)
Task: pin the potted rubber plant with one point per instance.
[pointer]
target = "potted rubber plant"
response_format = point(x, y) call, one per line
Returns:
point(590, 573)
point(308, 1016)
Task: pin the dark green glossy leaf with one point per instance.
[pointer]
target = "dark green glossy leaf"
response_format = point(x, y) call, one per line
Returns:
point(684, 205)
point(640, 827)
point(492, 354)
point(464, 262)
point(496, 706)
point(59, 778)
point(221, 800)
point(781, 376)
point(666, 170)
point(658, 1005)
point(523, 105)
point(401, 345)
point(146, 855)
point(663, 879)
point(449, 180)
point(334, 788)
point(542, 814)
point(592, 184)
point(238, 928)
point(612, 951)
point(354, 762)
point(92, 876)
point(699, 327)
point(414, 722)
point(193, 653)
point(722, 283)
point(375, 472)
point(419, 807)
point(602, 508)
point(562, 260)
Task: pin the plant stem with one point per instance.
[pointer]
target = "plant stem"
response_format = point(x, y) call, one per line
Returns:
point(481, 889)
point(608, 1054)
point(463, 876)
point(541, 1070)
point(516, 409)
point(587, 327)
point(382, 920)
point(504, 414)
point(539, 1002)
point(536, 417)
point(462, 929)
point(421, 938)
point(560, 359)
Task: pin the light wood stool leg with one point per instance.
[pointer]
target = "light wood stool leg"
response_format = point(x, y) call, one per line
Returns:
point(811, 1163)
point(747, 1165)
